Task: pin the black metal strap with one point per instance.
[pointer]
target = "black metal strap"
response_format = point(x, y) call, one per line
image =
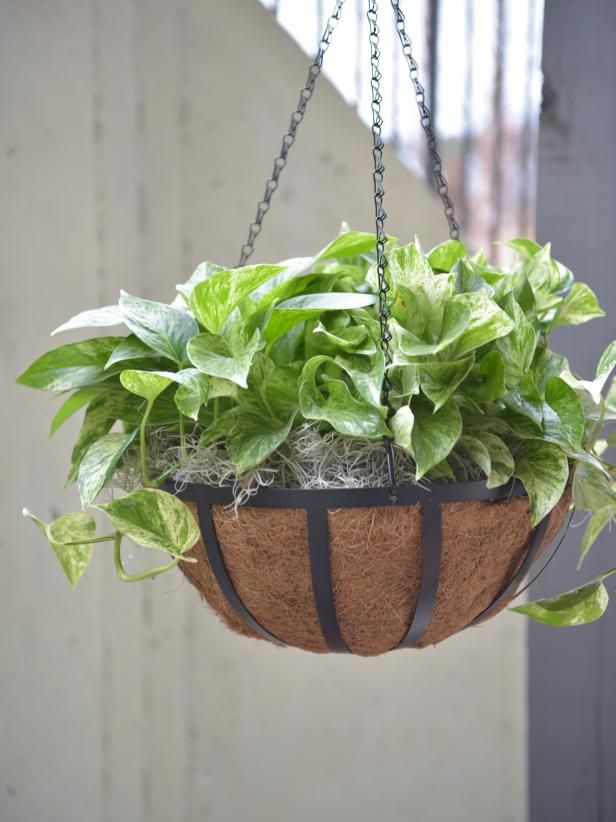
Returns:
point(318, 541)
point(430, 571)
point(534, 545)
point(217, 564)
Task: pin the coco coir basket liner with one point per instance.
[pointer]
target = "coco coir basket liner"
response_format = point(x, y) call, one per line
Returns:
point(374, 583)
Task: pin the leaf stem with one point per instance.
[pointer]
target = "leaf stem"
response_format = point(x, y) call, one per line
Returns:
point(608, 573)
point(182, 437)
point(106, 538)
point(153, 572)
point(145, 474)
point(597, 432)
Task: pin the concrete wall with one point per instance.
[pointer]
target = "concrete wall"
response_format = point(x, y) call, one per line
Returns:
point(134, 141)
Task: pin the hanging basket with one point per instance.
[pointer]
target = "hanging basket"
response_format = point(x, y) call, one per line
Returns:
point(368, 570)
point(350, 571)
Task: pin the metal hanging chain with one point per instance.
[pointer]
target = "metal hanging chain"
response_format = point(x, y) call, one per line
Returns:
point(289, 137)
point(426, 123)
point(380, 216)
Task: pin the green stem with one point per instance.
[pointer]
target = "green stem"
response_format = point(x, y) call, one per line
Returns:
point(153, 572)
point(606, 574)
point(597, 432)
point(145, 474)
point(216, 408)
point(107, 538)
point(182, 437)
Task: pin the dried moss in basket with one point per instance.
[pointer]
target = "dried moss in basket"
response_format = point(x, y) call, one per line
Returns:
point(273, 373)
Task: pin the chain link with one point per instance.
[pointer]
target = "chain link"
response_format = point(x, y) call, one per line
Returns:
point(380, 216)
point(289, 137)
point(426, 122)
point(379, 191)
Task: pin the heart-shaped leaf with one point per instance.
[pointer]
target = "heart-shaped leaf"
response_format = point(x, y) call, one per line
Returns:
point(145, 384)
point(164, 328)
point(491, 455)
point(99, 462)
point(255, 436)
point(434, 433)
point(153, 518)
point(579, 306)
point(544, 470)
point(70, 366)
point(577, 607)
point(68, 536)
point(213, 299)
point(230, 359)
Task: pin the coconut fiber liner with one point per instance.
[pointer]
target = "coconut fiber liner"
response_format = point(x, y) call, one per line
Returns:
point(375, 557)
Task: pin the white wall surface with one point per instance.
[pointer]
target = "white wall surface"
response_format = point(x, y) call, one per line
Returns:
point(135, 138)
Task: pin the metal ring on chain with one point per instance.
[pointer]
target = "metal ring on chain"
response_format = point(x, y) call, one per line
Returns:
point(289, 137)
point(426, 122)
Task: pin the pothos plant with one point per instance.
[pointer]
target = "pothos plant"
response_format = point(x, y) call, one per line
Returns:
point(244, 356)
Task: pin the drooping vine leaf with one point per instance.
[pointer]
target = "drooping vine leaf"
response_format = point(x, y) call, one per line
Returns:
point(544, 470)
point(577, 607)
point(68, 536)
point(98, 463)
point(154, 519)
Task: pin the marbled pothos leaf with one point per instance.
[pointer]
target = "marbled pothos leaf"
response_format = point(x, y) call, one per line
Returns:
point(407, 347)
point(563, 416)
point(68, 536)
point(366, 374)
point(487, 322)
point(443, 257)
point(306, 306)
point(434, 433)
point(348, 244)
point(333, 402)
point(491, 455)
point(192, 393)
point(146, 384)
point(517, 347)
point(75, 365)
point(213, 300)
point(595, 526)
point(605, 366)
point(99, 462)
point(131, 348)
point(71, 405)
point(164, 328)
point(439, 380)
point(107, 316)
point(255, 436)
point(486, 381)
point(218, 357)
point(402, 426)
point(592, 488)
point(579, 306)
point(154, 519)
point(577, 607)
point(98, 421)
point(544, 471)
point(202, 272)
